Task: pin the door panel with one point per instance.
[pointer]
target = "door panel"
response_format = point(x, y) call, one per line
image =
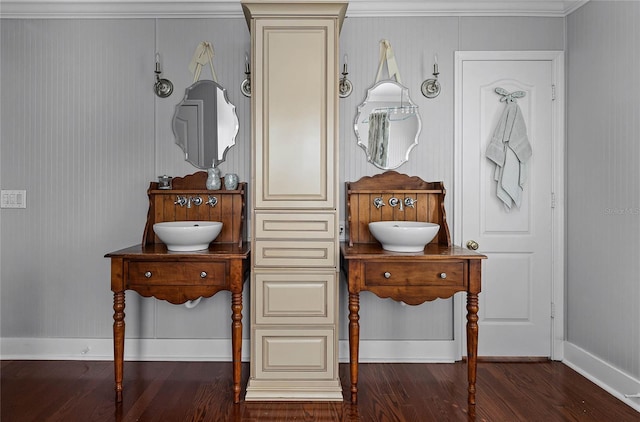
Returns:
point(510, 274)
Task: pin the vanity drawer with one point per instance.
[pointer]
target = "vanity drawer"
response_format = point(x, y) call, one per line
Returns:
point(295, 226)
point(414, 273)
point(176, 273)
point(295, 297)
point(289, 354)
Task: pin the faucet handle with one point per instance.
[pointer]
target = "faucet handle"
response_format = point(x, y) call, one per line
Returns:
point(378, 202)
point(181, 200)
point(212, 201)
point(410, 202)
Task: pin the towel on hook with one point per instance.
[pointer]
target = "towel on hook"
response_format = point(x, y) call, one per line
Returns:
point(510, 150)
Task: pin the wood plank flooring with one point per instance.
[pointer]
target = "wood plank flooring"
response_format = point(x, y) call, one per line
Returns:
point(82, 391)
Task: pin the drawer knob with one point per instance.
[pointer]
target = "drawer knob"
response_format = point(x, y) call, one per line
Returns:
point(443, 275)
point(148, 274)
point(387, 274)
point(203, 274)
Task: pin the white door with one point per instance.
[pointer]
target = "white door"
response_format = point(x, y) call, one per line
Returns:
point(515, 317)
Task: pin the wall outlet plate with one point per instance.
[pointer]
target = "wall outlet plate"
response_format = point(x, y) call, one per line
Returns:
point(13, 198)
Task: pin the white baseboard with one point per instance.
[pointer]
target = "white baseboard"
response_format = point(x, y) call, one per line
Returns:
point(208, 350)
point(134, 349)
point(409, 351)
point(603, 374)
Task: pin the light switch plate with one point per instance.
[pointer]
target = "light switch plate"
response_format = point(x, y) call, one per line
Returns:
point(13, 199)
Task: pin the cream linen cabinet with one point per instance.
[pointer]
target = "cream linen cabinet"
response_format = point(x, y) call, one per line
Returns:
point(295, 243)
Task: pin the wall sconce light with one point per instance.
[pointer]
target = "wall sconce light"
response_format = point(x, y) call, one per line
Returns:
point(163, 87)
point(431, 87)
point(245, 86)
point(344, 86)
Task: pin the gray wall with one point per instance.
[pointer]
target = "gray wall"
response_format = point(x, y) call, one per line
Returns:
point(603, 182)
point(84, 134)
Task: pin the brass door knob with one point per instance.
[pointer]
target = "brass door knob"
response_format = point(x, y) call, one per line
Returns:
point(473, 245)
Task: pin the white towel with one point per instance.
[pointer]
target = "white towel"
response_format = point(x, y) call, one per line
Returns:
point(509, 189)
point(510, 150)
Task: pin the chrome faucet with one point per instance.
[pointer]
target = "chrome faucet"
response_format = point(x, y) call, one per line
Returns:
point(395, 202)
point(410, 202)
point(196, 200)
point(378, 202)
point(212, 201)
point(181, 200)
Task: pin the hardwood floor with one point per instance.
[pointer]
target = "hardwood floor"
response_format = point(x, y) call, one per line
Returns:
point(201, 391)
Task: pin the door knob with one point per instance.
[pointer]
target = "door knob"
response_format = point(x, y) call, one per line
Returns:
point(473, 245)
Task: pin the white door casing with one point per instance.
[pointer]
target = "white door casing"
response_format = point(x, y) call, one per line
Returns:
point(523, 277)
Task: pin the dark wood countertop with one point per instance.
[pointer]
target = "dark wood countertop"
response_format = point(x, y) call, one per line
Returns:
point(431, 252)
point(155, 250)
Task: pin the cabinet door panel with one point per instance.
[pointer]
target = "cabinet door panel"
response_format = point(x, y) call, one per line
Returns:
point(295, 152)
point(292, 354)
point(295, 297)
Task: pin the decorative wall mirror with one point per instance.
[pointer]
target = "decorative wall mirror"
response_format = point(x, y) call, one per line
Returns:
point(205, 124)
point(387, 125)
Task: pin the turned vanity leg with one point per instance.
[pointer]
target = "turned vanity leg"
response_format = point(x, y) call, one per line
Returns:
point(472, 344)
point(236, 343)
point(354, 342)
point(118, 340)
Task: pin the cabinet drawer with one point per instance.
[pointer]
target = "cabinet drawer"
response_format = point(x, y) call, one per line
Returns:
point(295, 298)
point(414, 273)
point(272, 253)
point(295, 353)
point(176, 273)
point(295, 226)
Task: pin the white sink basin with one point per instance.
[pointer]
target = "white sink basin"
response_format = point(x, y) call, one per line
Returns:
point(187, 236)
point(403, 236)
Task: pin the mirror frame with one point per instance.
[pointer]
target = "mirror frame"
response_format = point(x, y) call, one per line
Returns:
point(405, 100)
point(200, 108)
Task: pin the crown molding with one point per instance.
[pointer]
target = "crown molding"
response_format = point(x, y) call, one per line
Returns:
point(48, 9)
point(62, 9)
point(547, 8)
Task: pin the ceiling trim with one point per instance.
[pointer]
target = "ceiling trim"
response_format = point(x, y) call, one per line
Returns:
point(549, 8)
point(48, 9)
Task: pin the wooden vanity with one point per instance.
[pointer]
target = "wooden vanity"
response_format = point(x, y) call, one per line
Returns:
point(177, 277)
point(439, 271)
